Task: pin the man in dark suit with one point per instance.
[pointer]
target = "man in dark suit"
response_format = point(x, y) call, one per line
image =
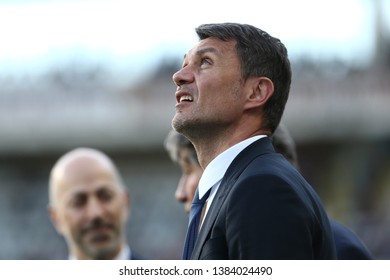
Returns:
point(231, 93)
point(348, 245)
point(89, 206)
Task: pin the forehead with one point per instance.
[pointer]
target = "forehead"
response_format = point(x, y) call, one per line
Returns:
point(87, 168)
point(214, 46)
point(87, 175)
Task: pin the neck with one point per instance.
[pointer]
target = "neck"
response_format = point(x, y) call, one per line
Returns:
point(80, 255)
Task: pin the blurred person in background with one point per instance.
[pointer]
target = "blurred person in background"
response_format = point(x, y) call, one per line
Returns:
point(182, 152)
point(231, 93)
point(89, 206)
point(348, 245)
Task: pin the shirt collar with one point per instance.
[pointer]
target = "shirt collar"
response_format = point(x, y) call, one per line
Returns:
point(216, 169)
point(124, 254)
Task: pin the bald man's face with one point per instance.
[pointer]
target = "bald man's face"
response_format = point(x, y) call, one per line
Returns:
point(90, 208)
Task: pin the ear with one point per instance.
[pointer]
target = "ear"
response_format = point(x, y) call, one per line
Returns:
point(54, 218)
point(128, 199)
point(127, 204)
point(260, 89)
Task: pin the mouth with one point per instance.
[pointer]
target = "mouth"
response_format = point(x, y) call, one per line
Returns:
point(184, 97)
point(100, 229)
point(99, 234)
point(97, 227)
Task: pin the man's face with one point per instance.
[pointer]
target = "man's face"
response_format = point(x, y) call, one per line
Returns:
point(91, 209)
point(209, 86)
point(191, 173)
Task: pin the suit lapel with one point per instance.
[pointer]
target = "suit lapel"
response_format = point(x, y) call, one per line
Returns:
point(235, 169)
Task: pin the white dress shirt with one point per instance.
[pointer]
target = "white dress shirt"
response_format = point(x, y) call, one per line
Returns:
point(214, 172)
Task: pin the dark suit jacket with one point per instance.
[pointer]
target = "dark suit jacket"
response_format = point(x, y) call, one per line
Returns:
point(348, 244)
point(264, 209)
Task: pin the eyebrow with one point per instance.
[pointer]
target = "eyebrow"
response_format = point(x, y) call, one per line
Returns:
point(75, 194)
point(205, 50)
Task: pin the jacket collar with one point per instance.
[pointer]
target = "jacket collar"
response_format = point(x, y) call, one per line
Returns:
point(243, 159)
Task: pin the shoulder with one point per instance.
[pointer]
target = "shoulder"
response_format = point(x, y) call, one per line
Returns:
point(136, 256)
point(348, 245)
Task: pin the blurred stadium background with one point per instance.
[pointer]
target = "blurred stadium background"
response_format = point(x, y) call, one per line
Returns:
point(338, 113)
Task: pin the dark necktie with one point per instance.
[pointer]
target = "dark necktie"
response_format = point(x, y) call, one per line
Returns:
point(193, 226)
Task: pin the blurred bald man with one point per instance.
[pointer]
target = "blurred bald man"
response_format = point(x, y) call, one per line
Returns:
point(89, 206)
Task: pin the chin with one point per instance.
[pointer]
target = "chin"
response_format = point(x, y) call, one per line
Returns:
point(177, 124)
point(103, 251)
point(183, 127)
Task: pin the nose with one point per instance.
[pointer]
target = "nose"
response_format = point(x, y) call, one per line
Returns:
point(94, 209)
point(181, 193)
point(183, 76)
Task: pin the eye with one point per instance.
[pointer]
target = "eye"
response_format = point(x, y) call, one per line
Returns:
point(105, 195)
point(186, 170)
point(78, 201)
point(205, 61)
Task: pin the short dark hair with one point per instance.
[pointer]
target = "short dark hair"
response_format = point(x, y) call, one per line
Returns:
point(175, 142)
point(284, 144)
point(260, 54)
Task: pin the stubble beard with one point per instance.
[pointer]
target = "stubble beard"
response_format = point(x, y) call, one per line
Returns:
point(193, 129)
point(205, 136)
point(106, 252)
